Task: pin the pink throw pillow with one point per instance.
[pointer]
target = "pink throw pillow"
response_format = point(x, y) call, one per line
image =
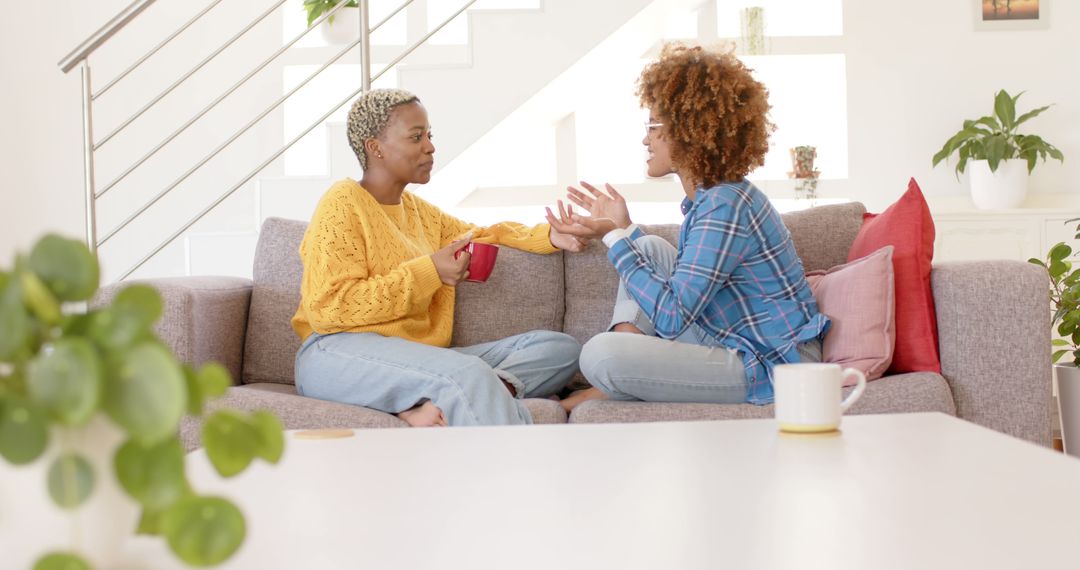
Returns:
point(859, 298)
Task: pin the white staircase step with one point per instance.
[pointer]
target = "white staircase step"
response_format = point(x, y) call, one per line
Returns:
point(221, 253)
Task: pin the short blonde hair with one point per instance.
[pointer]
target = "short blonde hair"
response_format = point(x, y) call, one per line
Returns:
point(369, 115)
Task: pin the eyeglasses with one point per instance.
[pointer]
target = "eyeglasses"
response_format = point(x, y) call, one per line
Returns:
point(650, 128)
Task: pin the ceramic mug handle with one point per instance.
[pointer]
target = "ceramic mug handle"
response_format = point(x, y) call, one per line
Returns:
point(857, 392)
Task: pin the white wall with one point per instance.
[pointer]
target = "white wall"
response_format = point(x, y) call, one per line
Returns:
point(915, 69)
point(40, 142)
point(39, 111)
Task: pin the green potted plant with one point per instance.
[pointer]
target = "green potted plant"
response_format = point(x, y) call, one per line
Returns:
point(87, 391)
point(998, 154)
point(342, 26)
point(1065, 302)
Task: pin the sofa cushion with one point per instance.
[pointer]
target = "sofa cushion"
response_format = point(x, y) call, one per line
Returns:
point(904, 393)
point(271, 344)
point(907, 226)
point(823, 235)
point(531, 284)
point(294, 411)
point(524, 293)
point(858, 299)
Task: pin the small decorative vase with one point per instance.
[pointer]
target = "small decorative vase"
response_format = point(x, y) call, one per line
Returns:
point(802, 170)
point(344, 28)
point(1002, 189)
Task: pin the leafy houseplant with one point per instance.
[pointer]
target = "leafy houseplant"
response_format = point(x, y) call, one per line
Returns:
point(1065, 296)
point(1065, 299)
point(316, 8)
point(993, 138)
point(61, 369)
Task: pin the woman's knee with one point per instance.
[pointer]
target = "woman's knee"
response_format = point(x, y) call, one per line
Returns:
point(598, 356)
point(652, 244)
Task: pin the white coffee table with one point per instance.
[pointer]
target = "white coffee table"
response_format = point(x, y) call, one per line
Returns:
point(912, 491)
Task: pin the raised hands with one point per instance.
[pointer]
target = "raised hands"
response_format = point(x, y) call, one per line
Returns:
point(600, 205)
point(565, 240)
point(607, 213)
point(452, 268)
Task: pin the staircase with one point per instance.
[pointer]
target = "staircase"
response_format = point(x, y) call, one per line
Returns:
point(533, 59)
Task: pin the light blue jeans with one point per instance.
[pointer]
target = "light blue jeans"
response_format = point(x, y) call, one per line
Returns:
point(693, 367)
point(392, 374)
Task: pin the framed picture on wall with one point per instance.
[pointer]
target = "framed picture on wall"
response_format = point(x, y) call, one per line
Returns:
point(1011, 14)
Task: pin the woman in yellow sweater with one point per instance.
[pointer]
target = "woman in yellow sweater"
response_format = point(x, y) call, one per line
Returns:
point(377, 297)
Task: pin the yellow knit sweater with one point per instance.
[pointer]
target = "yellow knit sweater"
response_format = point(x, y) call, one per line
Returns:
point(367, 266)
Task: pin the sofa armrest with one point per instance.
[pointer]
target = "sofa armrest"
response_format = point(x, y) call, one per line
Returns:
point(204, 319)
point(993, 322)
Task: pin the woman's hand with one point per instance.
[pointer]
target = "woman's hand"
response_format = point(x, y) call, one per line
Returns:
point(452, 268)
point(582, 227)
point(600, 205)
point(565, 240)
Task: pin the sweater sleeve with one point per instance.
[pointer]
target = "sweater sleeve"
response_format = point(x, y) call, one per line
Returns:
point(338, 292)
point(533, 239)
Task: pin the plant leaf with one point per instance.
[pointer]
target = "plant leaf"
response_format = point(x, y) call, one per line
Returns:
point(153, 475)
point(23, 430)
point(67, 380)
point(272, 441)
point(129, 318)
point(1030, 114)
point(61, 561)
point(1005, 109)
point(204, 531)
point(1060, 251)
point(14, 321)
point(231, 441)
point(66, 266)
point(213, 379)
point(145, 394)
point(38, 298)
point(71, 479)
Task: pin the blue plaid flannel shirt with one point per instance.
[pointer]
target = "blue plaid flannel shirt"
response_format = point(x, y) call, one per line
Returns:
point(737, 277)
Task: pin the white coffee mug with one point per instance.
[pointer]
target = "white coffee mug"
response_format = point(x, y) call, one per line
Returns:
point(808, 395)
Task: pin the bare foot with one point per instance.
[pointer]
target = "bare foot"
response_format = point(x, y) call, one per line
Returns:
point(627, 328)
point(570, 402)
point(424, 415)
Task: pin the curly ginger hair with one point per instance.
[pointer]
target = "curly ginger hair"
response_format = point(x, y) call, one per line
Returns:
point(715, 112)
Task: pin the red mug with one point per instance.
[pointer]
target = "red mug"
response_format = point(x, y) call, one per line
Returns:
point(482, 261)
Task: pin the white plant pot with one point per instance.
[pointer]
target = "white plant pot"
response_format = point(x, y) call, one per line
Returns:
point(1000, 190)
point(31, 525)
point(345, 29)
point(1068, 380)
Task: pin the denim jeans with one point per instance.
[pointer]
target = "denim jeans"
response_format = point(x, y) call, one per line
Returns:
point(693, 367)
point(393, 374)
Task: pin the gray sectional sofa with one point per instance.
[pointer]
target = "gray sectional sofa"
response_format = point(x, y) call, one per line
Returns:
point(992, 317)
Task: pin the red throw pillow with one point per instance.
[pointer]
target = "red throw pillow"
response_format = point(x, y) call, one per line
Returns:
point(908, 227)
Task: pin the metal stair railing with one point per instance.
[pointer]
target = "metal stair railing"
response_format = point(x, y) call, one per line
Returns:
point(80, 57)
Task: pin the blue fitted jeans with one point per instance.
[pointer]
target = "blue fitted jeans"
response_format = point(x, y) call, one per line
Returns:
point(392, 374)
point(693, 367)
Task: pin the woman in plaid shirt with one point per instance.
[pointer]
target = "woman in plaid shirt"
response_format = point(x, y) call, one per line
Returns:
point(707, 321)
